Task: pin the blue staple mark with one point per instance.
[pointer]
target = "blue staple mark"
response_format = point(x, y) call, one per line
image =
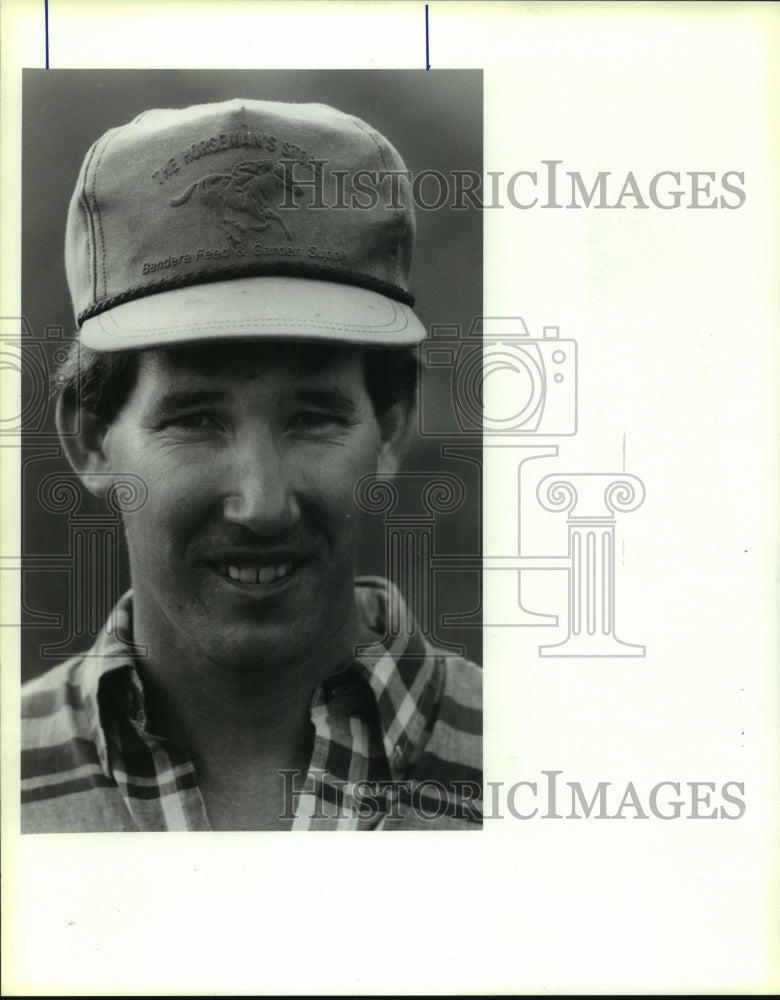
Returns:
point(46, 27)
point(427, 42)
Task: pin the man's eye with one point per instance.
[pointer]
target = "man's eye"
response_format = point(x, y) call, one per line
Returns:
point(195, 421)
point(312, 420)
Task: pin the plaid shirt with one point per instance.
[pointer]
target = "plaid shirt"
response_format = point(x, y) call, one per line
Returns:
point(397, 741)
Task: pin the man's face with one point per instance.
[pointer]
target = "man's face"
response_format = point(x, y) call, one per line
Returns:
point(246, 548)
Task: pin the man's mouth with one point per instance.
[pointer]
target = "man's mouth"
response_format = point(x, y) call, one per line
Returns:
point(256, 573)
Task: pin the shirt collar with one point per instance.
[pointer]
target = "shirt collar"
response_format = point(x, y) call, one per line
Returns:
point(401, 671)
point(108, 679)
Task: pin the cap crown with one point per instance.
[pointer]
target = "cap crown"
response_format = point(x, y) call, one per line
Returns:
point(180, 197)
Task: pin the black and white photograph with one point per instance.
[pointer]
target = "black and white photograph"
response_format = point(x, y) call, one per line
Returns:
point(250, 609)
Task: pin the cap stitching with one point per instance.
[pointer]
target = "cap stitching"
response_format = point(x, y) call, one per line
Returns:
point(253, 323)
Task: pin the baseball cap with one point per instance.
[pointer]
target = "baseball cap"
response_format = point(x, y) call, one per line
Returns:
point(241, 219)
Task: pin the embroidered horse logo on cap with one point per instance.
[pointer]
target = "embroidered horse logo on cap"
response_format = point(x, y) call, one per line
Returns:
point(243, 200)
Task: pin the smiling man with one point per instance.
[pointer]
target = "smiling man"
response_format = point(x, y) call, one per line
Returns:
point(246, 353)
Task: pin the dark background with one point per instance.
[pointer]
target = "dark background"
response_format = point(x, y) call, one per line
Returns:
point(435, 121)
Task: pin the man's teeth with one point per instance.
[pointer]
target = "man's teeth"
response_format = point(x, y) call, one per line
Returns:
point(256, 574)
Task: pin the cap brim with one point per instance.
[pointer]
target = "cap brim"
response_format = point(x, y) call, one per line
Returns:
point(251, 308)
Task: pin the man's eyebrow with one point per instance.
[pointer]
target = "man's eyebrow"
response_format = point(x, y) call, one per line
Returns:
point(327, 398)
point(182, 399)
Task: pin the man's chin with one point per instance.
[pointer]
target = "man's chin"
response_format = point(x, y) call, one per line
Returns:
point(306, 644)
point(259, 627)
point(253, 651)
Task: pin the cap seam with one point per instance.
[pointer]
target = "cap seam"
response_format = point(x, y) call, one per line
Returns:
point(89, 222)
point(397, 213)
point(111, 136)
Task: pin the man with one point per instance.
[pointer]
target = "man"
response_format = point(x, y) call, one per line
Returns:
point(244, 360)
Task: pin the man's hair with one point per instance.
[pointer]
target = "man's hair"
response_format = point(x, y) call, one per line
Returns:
point(101, 381)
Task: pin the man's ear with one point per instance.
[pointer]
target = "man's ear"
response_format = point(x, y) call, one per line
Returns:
point(396, 426)
point(83, 437)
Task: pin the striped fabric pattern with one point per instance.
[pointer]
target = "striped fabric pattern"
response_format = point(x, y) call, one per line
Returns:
point(397, 741)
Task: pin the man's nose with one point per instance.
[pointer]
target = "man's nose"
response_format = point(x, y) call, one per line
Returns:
point(258, 492)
